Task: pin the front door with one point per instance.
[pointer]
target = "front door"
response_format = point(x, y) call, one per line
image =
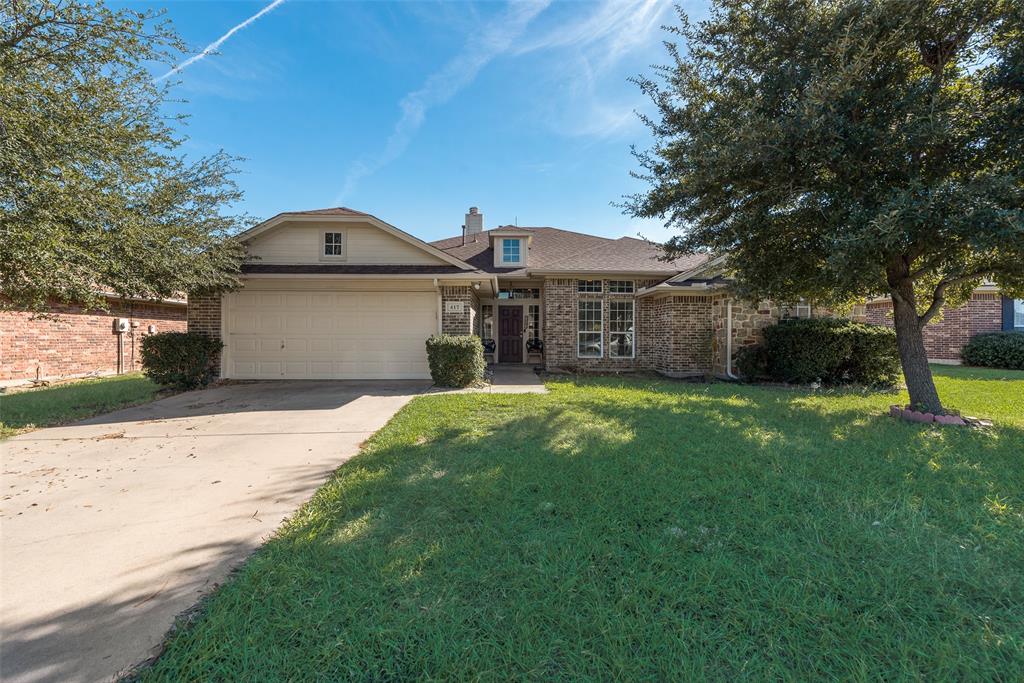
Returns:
point(510, 334)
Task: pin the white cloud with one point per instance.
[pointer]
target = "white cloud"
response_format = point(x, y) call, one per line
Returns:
point(212, 47)
point(480, 49)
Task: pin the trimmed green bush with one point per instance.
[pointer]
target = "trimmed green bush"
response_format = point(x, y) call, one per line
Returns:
point(455, 361)
point(995, 350)
point(183, 360)
point(829, 350)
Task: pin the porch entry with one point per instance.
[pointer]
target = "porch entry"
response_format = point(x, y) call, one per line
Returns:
point(510, 334)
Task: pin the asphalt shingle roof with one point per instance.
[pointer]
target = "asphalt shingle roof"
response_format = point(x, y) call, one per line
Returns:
point(555, 249)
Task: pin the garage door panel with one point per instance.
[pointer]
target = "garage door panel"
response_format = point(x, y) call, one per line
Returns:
point(329, 335)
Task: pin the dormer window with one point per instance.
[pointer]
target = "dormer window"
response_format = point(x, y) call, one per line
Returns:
point(510, 251)
point(333, 245)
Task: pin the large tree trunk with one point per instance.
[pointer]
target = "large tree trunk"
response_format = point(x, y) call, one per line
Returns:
point(913, 357)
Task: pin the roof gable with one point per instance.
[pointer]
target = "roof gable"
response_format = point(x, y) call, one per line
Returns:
point(406, 247)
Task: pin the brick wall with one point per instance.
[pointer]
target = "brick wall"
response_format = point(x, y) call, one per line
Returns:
point(945, 336)
point(78, 341)
point(560, 328)
point(466, 320)
point(204, 315)
point(748, 320)
point(683, 335)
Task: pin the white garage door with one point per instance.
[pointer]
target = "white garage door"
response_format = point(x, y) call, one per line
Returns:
point(329, 335)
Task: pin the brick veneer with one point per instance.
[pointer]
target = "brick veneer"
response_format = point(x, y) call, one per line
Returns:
point(466, 321)
point(77, 341)
point(560, 328)
point(683, 335)
point(944, 337)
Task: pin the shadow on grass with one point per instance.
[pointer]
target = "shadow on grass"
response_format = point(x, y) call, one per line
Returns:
point(627, 529)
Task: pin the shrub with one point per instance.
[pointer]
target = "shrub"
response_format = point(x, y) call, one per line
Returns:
point(752, 362)
point(831, 350)
point(455, 361)
point(995, 350)
point(183, 360)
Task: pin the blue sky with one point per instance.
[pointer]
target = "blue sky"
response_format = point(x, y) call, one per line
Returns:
point(413, 111)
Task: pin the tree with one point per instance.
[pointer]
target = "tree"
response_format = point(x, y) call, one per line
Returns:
point(842, 150)
point(93, 194)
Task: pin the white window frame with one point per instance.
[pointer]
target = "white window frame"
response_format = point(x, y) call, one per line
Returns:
point(583, 287)
point(1018, 309)
point(600, 332)
point(324, 256)
point(631, 332)
point(530, 321)
point(613, 283)
point(506, 241)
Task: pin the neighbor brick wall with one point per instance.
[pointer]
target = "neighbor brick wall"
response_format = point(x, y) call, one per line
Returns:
point(748, 321)
point(204, 315)
point(464, 322)
point(945, 336)
point(77, 341)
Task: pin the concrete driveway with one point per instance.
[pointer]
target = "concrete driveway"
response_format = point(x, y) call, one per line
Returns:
point(113, 526)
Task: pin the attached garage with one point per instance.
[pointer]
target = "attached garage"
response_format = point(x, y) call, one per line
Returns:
point(328, 334)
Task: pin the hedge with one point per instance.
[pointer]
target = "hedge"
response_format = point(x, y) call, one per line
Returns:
point(455, 361)
point(829, 350)
point(183, 360)
point(995, 350)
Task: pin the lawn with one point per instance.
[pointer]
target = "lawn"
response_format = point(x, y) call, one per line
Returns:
point(23, 410)
point(627, 529)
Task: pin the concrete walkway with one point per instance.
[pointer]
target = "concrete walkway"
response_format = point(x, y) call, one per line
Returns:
point(113, 526)
point(506, 379)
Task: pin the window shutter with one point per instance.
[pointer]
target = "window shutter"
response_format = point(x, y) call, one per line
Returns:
point(1007, 313)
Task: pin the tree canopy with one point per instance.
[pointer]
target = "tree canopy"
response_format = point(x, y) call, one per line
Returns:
point(95, 195)
point(842, 150)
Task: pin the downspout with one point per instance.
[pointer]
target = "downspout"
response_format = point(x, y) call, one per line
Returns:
point(728, 340)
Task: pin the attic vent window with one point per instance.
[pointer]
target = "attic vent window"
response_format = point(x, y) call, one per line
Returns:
point(334, 244)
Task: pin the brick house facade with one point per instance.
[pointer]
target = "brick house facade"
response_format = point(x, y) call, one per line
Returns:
point(945, 335)
point(71, 341)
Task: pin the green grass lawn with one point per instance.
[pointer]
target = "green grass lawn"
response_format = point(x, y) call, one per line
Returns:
point(23, 410)
point(627, 529)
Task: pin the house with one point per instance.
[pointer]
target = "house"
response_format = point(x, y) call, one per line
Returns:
point(72, 341)
point(988, 310)
point(337, 293)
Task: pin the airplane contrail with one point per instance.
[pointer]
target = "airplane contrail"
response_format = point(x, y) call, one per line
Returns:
point(220, 41)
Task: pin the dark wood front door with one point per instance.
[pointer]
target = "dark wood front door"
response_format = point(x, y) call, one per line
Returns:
point(510, 334)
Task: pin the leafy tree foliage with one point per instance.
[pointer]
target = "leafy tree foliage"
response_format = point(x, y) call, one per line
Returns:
point(840, 150)
point(93, 192)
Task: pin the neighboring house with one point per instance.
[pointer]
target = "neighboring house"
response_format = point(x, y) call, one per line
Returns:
point(336, 293)
point(987, 311)
point(70, 341)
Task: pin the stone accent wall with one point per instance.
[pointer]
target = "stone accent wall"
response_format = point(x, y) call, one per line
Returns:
point(748, 320)
point(683, 336)
point(944, 336)
point(560, 328)
point(466, 321)
point(77, 341)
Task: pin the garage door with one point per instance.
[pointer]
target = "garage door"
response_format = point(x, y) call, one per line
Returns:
point(329, 335)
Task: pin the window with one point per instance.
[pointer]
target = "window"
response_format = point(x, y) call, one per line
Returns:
point(487, 321)
point(1018, 314)
point(620, 329)
point(621, 287)
point(510, 251)
point(589, 323)
point(533, 322)
point(334, 244)
point(519, 293)
point(588, 286)
point(801, 309)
